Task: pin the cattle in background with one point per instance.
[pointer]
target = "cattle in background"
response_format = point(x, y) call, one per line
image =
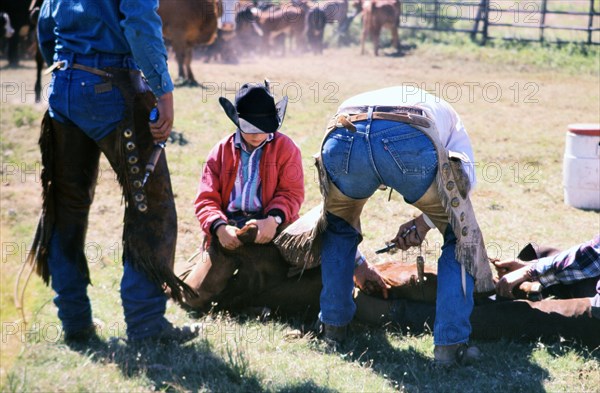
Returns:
point(285, 21)
point(248, 34)
point(18, 13)
point(336, 12)
point(187, 24)
point(34, 13)
point(376, 15)
point(315, 29)
point(6, 29)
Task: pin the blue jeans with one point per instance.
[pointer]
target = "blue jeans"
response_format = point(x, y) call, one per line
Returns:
point(401, 157)
point(74, 102)
point(144, 302)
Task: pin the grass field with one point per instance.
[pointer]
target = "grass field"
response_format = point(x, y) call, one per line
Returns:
point(516, 103)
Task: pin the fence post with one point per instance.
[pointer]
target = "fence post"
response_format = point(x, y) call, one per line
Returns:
point(591, 22)
point(475, 29)
point(436, 14)
point(486, 20)
point(543, 20)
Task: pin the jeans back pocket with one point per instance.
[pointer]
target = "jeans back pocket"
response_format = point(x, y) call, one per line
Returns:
point(336, 153)
point(413, 152)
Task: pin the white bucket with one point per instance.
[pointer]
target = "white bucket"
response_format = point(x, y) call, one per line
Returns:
point(581, 166)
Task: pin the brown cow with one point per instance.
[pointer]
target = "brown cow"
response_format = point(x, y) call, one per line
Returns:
point(376, 15)
point(287, 20)
point(187, 24)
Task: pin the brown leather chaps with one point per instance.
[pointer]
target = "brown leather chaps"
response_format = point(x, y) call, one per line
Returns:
point(70, 161)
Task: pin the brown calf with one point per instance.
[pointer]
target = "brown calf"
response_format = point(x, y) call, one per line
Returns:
point(287, 20)
point(257, 276)
point(376, 15)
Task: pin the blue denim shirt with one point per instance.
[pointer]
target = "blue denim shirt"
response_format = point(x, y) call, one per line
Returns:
point(125, 27)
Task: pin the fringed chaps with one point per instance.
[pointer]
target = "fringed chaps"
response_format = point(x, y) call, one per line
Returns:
point(300, 243)
point(38, 252)
point(452, 192)
point(150, 222)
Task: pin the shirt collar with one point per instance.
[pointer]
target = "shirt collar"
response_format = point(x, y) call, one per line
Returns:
point(238, 143)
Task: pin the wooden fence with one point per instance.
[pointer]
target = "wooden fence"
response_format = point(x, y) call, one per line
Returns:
point(535, 20)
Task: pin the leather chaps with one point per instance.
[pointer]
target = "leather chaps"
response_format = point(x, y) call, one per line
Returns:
point(70, 161)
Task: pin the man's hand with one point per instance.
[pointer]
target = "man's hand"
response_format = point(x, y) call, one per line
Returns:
point(505, 267)
point(509, 281)
point(411, 233)
point(267, 228)
point(227, 237)
point(162, 128)
point(369, 281)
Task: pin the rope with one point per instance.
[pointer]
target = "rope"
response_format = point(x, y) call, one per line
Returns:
point(18, 297)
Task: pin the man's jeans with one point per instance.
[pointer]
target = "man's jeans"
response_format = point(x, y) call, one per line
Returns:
point(401, 157)
point(73, 101)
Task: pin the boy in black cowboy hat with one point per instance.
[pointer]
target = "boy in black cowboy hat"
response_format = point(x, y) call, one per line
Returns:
point(253, 175)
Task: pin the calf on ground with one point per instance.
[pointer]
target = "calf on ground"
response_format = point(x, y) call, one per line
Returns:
point(256, 275)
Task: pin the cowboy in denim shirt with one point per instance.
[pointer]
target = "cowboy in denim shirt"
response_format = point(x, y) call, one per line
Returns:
point(99, 103)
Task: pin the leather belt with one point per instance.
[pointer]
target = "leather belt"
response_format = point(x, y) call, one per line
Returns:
point(64, 64)
point(347, 121)
point(352, 110)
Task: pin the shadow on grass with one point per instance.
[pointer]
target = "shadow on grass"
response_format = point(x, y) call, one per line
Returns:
point(505, 365)
point(309, 386)
point(189, 367)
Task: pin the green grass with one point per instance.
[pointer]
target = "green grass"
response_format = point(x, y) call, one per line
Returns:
point(242, 353)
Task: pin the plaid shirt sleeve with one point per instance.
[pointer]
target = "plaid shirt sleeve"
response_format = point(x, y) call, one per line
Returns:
point(572, 265)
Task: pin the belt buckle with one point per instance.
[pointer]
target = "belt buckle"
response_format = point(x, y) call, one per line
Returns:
point(338, 123)
point(63, 65)
point(59, 65)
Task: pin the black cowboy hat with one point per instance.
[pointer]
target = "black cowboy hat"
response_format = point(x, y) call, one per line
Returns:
point(255, 111)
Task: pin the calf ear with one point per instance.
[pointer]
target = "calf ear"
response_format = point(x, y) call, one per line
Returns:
point(533, 251)
point(527, 253)
point(247, 234)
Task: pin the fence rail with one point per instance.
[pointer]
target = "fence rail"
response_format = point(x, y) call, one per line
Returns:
point(488, 20)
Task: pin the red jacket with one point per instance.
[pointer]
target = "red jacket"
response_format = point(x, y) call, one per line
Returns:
point(282, 179)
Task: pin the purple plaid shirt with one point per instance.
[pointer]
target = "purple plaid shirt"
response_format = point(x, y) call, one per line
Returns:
point(572, 265)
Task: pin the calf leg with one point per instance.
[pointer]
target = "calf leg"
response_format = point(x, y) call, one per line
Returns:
point(207, 279)
point(375, 38)
point(363, 38)
point(188, 67)
point(179, 56)
point(395, 38)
